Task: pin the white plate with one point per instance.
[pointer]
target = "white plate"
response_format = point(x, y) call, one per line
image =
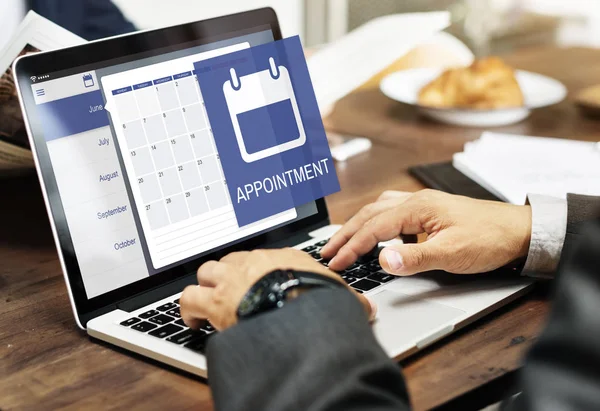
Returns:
point(538, 91)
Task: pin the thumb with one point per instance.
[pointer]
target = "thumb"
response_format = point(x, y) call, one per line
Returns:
point(409, 259)
point(369, 306)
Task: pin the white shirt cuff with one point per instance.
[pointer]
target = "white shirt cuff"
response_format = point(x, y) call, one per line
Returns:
point(548, 232)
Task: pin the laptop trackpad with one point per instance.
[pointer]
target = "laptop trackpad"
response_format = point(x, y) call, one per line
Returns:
point(406, 320)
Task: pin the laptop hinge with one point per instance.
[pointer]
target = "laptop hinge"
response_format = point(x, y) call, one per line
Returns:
point(156, 294)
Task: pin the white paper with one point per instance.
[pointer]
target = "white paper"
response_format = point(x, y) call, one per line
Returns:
point(34, 33)
point(347, 63)
point(513, 166)
point(40, 33)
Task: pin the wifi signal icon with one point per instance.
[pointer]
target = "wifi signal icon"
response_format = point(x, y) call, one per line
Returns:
point(33, 78)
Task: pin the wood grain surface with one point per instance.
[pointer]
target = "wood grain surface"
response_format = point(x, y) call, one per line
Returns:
point(47, 363)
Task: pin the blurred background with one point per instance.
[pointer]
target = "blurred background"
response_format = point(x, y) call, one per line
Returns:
point(486, 26)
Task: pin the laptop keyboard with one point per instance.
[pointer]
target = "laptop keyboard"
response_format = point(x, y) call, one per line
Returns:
point(362, 276)
point(164, 321)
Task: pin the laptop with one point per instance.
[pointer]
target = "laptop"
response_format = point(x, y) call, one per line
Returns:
point(118, 295)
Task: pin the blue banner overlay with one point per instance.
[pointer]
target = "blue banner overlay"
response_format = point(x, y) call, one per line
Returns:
point(72, 115)
point(268, 129)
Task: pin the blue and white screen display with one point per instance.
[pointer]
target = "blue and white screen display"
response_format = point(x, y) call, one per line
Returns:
point(137, 166)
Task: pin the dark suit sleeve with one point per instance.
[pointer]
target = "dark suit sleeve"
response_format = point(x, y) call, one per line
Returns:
point(581, 210)
point(562, 371)
point(316, 353)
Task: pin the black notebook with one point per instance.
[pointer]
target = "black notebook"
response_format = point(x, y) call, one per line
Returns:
point(444, 177)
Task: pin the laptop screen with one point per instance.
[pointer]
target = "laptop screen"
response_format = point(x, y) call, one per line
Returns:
point(181, 209)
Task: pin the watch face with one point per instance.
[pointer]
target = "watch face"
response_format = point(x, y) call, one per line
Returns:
point(265, 294)
point(250, 301)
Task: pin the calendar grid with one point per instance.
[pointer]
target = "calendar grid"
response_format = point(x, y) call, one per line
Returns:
point(173, 154)
point(188, 162)
point(188, 169)
point(190, 132)
point(153, 162)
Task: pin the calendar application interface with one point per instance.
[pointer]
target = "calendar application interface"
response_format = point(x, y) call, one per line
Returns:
point(268, 129)
point(137, 168)
point(172, 164)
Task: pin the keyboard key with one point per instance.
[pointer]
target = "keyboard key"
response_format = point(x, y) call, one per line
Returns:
point(381, 277)
point(206, 326)
point(176, 301)
point(180, 322)
point(131, 321)
point(148, 314)
point(316, 255)
point(370, 256)
point(174, 313)
point(161, 319)
point(373, 267)
point(365, 285)
point(358, 273)
point(353, 267)
point(166, 307)
point(348, 279)
point(199, 344)
point(186, 336)
point(144, 326)
point(165, 331)
point(322, 243)
point(309, 249)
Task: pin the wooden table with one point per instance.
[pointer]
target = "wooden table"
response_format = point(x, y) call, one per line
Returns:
point(47, 363)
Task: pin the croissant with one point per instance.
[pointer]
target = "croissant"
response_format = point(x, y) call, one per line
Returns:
point(488, 83)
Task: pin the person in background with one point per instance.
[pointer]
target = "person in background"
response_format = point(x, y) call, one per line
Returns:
point(90, 19)
point(317, 351)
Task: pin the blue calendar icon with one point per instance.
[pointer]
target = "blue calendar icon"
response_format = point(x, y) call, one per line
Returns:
point(267, 128)
point(88, 80)
point(264, 112)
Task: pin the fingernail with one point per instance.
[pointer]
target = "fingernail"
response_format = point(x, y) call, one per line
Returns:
point(332, 261)
point(394, 259)
point(373, 310)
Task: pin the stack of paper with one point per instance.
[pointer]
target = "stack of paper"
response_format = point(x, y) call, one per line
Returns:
point(512, 166)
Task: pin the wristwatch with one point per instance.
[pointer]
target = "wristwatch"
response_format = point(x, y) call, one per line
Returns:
point(272, 290)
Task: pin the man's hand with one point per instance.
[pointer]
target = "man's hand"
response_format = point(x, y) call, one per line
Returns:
point(464, 235)
point(223, 284)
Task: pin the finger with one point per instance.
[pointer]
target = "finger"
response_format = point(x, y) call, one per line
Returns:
point(211, 273)
point(196, 305)
point(409, 259)
point(339, 239)
point(382, 227)
point(203, 273)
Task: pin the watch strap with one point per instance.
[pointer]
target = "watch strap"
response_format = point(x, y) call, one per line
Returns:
point(271, 291)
